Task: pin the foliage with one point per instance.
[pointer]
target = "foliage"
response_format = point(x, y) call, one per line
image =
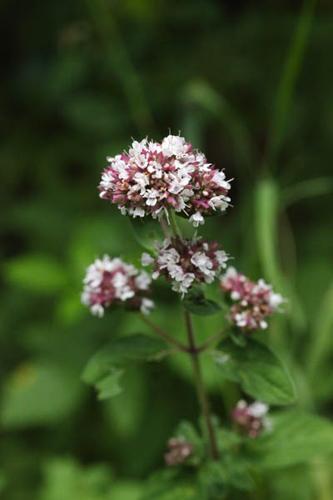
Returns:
point(79, 80)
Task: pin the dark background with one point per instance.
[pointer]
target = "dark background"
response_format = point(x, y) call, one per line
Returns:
point(79, 80)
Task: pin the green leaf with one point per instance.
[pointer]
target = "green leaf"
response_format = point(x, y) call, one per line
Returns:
point(287, 84)
point(196, 303)
point(104, 369)
point(37, 394)
point(258, 370)
point(145, 233)
point(320, 345)
point(65, 479)
point(109, 386)
point(203, 100)
point(295, 438)
point(307, 189)
point(267, 200)
point(36, 273)
point(168, 484)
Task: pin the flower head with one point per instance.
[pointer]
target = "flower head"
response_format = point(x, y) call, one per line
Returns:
point(179, 451)
point(153, 177)
point(187, 262)
point(253, 302)
point(252, 418)
point(112, 281)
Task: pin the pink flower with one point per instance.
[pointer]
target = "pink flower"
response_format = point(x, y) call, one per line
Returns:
point(251, 417)
point(179, 451)
point(187, 262)
point(253, 302)
point(112, 281)
point(153, 177)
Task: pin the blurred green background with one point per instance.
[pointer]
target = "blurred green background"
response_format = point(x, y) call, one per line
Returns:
point(249, 82)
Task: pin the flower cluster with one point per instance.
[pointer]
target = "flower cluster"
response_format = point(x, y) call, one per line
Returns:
point(253, 301)
point(252, 418)
point(153, 177)
point(186, 262)
point(179, 451)
point(109, 281)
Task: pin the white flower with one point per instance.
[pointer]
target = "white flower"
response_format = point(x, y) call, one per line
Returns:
point(173, 145)
point(197, 219)
point(258, 409)
point(218, 202)
point(168, 257)
point(151, 197)
point(138, 212)
point(221, 257)
point(146, 259)
point(275, 300)
point(97, 310)
point(146, 306)
point(143, 281)
point(219, 179)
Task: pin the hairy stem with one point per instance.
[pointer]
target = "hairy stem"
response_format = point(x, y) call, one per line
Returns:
point(202, 396)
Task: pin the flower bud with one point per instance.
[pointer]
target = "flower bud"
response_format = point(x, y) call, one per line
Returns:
point(252, 302)
point(153, 177)
point(187, 262)
point(251, 418)
point(179, 451)
point(112, 281)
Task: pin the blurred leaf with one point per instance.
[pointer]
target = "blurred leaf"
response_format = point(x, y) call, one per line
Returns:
point(38, 394)
point(91, 114)
point(266, 208)
point(201, 94)
point(66, 480)
point(287, 84)
point(168, 484)
point(295, 438)
point(196, 303)
point(126, 490)
point(127, 412)
point(307, 189)
point(321, 344)
point(145, 233)
point(103, 369)
point(260, 373)
point(266, 215)
point(108, 386)
point(36, 273)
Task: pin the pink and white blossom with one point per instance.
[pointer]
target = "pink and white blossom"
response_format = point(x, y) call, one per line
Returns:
point(153, 177)
point(252, 302)
point(179, 450)
point(186, 262)
point(252, 418)
point(112, 281)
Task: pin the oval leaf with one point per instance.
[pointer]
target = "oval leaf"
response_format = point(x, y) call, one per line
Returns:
point(258, 370)
point(196, 303)
point(103, 370)
point(295, 438)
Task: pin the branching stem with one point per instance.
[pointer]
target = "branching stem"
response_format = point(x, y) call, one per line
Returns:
point(164, 335)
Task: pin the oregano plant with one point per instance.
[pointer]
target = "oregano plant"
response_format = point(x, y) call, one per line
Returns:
point(205, 458)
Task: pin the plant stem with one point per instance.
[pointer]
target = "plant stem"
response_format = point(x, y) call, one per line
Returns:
point(213, 339)
point(164, 335)
point(202, 396)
